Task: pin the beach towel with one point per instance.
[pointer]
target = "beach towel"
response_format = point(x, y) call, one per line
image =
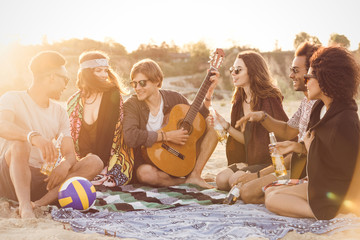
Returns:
point(137, 197)
point(188, 212)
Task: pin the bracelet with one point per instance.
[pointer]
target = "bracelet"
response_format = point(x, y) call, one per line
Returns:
point(258, 174)
point(228, 127)
point(302, 147)
point(162, 136)
point(264, 117)
point(32, 134)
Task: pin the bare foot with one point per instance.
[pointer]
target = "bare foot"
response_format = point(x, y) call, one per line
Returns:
point(26, 211)
point(198, 181)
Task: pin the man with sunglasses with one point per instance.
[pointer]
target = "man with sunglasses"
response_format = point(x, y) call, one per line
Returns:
point(29, 121)
point(251, 190)
point(144, 116)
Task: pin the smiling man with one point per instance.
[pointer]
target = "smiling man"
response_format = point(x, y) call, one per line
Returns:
point(29, 121)
point(251, 190)
point(144, 116)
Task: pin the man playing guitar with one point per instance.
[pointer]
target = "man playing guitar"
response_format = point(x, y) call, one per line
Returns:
point(144, 116)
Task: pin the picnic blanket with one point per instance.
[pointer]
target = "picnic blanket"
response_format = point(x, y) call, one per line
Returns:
point(137, 197)
point(188, 212)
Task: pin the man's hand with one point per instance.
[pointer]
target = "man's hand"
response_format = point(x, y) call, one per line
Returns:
point(179, 136)
point(46, 147)
point(214, 79)
point(250, 117)
point(58, 175)
point(283, 147)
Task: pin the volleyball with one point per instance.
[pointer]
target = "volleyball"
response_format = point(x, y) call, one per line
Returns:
point(77, 193)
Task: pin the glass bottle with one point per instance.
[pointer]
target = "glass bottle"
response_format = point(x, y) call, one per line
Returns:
point(233, 195)
point(221, 133)
point(47, 167)
point(277, 159)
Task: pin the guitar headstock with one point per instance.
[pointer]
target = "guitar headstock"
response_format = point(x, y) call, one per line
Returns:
point(216, 58)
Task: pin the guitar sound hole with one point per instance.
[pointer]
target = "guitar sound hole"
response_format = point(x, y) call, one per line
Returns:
point(188, 127)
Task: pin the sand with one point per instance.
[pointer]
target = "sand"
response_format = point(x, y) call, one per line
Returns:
point(43, 227)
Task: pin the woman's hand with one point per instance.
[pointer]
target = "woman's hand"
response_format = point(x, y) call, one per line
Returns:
point(222, 120)
point(246, 177)
point(308, 138)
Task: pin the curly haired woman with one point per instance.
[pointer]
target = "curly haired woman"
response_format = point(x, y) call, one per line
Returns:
point(332, 140)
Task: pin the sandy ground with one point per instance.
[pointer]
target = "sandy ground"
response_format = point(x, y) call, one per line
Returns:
point(12, 227)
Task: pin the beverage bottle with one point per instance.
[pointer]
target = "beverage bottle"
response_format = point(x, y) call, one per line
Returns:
point(277, 159)
point(47, 167)
point(233, 194)
point(221, 133)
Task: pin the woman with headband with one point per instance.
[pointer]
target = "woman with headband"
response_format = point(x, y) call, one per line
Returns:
point(96, 114)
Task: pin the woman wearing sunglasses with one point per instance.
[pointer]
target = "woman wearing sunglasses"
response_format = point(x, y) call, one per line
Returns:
point(96, 114)
point(332, 141)
point(254, 91)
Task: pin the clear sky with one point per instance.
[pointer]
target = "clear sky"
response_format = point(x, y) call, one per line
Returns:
point(223, 23)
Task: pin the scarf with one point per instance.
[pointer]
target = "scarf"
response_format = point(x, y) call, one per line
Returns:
point(118, 158)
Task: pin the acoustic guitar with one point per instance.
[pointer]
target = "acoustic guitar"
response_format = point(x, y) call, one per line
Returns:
point(175, 159)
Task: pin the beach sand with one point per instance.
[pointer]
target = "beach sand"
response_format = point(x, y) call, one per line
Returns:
point(44, 228)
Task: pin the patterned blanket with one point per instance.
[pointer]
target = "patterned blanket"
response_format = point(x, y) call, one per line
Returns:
point(188, 212)
point(136, 197)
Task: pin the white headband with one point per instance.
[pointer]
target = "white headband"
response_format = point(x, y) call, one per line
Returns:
point(101, 62)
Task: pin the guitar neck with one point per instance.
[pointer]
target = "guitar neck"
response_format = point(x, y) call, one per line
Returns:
point(200, 96)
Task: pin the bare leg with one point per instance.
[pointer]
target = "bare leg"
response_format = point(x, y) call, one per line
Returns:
point(151, 175)
point(251, 192)
point(290, 201)
point(222, 179)
point(207, 147)
point(88, 167)
point(17, 158)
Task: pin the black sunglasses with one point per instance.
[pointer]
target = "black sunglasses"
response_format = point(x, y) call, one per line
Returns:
point(307, 77)
point(65, 78)
point(142, 83)
point(236, 69)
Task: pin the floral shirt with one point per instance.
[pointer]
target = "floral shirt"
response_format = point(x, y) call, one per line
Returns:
point(301, 118)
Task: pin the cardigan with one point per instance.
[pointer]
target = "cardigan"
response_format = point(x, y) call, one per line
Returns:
point(256, 148)
point(110, 147)
point(332, 156)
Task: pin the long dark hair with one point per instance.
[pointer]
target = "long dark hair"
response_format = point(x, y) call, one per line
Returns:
point(261, 86)
point(88, 83)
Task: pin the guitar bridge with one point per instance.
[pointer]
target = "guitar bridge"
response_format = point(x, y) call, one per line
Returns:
point(172, 151)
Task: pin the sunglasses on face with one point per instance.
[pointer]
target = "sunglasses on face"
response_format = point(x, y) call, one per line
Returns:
point(236, 69)
point(307, 77)
point(142, 83)
point(64, 78)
